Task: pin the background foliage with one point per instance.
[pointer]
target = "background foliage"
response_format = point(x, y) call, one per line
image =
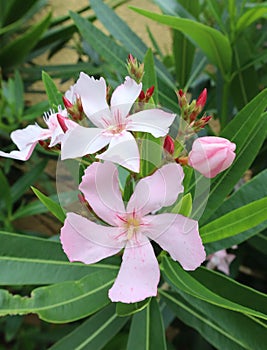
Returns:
point(47, 302)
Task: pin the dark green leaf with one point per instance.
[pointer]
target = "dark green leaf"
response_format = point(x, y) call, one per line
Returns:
point(94, 333)
point(150, 77)
point(147, 331)
point(132, 308)
point(54, 96)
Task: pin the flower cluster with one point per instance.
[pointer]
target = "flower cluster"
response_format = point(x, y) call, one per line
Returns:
point(110, 131)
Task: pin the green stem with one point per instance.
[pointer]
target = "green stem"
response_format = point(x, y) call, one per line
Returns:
point(225, 104)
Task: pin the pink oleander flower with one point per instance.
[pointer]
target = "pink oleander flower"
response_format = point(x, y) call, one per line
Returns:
point(131, 228)
point(221, 261)
point(113, 123)
point(211, 155)
point(26, 139)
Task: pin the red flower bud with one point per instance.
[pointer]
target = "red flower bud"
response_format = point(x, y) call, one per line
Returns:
point(202, 98)
point(168, 144)
point(61, 121)
point(66, 102)
point(150, 91)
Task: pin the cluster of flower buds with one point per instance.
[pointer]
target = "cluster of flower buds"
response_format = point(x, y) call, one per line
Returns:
point(135, 69)
point(145, 96)
point(74, 109)
point(190, 111)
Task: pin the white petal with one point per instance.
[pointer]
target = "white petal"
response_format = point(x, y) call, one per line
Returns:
point(123, 150)
point(81, 141)
point(93, 95)
point(125, 95)
point(154, 121)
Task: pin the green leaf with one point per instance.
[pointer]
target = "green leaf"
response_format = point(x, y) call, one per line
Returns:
point(224, 329)
point(235, 222)
point(54, 96)
point(226, 287)
point(259, 242)
point(150, 77)
point(182, 280)
point(94, 333)
point(17, 50)
point(62, 302)
point(147, 332)
point(249, 192)
point(250, 16)
point(245, 130)
point(150, 153)
point(133, 44)
point(26, 260)
point(25, 181)
point(5, 194)
point(184, 206)
point(52, 206)
point(213, 43)
point(132, 308)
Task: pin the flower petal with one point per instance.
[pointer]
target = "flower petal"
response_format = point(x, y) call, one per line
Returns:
point(86, 241)
point(154, 121)
point(123, 150)
point(179, 236)
point(138, 276)
point(81, 141)
point(158, 190)
point(26, 140)
point(93, 95)
point(100, 186)
point(125, 95)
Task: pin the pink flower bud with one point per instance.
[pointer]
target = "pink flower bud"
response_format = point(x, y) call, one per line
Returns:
point(202, 98)
point(168, 144)
point(211, 155)
point(61, 121)
point(150, 91)
point(67, 102)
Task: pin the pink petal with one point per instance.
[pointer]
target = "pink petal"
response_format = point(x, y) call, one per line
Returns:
point(23, 154)
point(100, 186)
point(179, 236)
point(93, 95)
point(138, 276)
point(86, 241)
point(154, 121)
point(158, 190)
point(123, 150)
point(81, 141)
point(125, 95)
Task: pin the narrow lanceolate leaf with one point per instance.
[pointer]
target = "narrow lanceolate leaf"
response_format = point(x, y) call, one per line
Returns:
point(17, 50)
point(35, 261)
point(150, 77)
point(94, 333)
point(182, 280)
point(251, 16)
point(147, 332)
point(5, 194)
point(245, 130)
point(62, 302)
point(224, 329)
point(235, 222)
point(130, 309)
point(121, 32)
point(52, 206)
point(249, 192)
point(54, 96)
point(213, 43)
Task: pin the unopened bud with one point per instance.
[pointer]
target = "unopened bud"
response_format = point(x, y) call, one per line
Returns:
point(67, 102)
point(182, 160)
point(202, 99)
point(61, 121)
point(135, 69)
point(168, 144)
point(182, 99)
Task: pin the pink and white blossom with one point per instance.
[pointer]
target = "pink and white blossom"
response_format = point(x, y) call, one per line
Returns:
point(211, 155)
point(131, 228)
point(220, 260)
point(112, 124)
point(26, 139)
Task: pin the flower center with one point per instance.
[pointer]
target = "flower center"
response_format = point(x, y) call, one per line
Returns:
point(132, 225)
point(116, 125)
